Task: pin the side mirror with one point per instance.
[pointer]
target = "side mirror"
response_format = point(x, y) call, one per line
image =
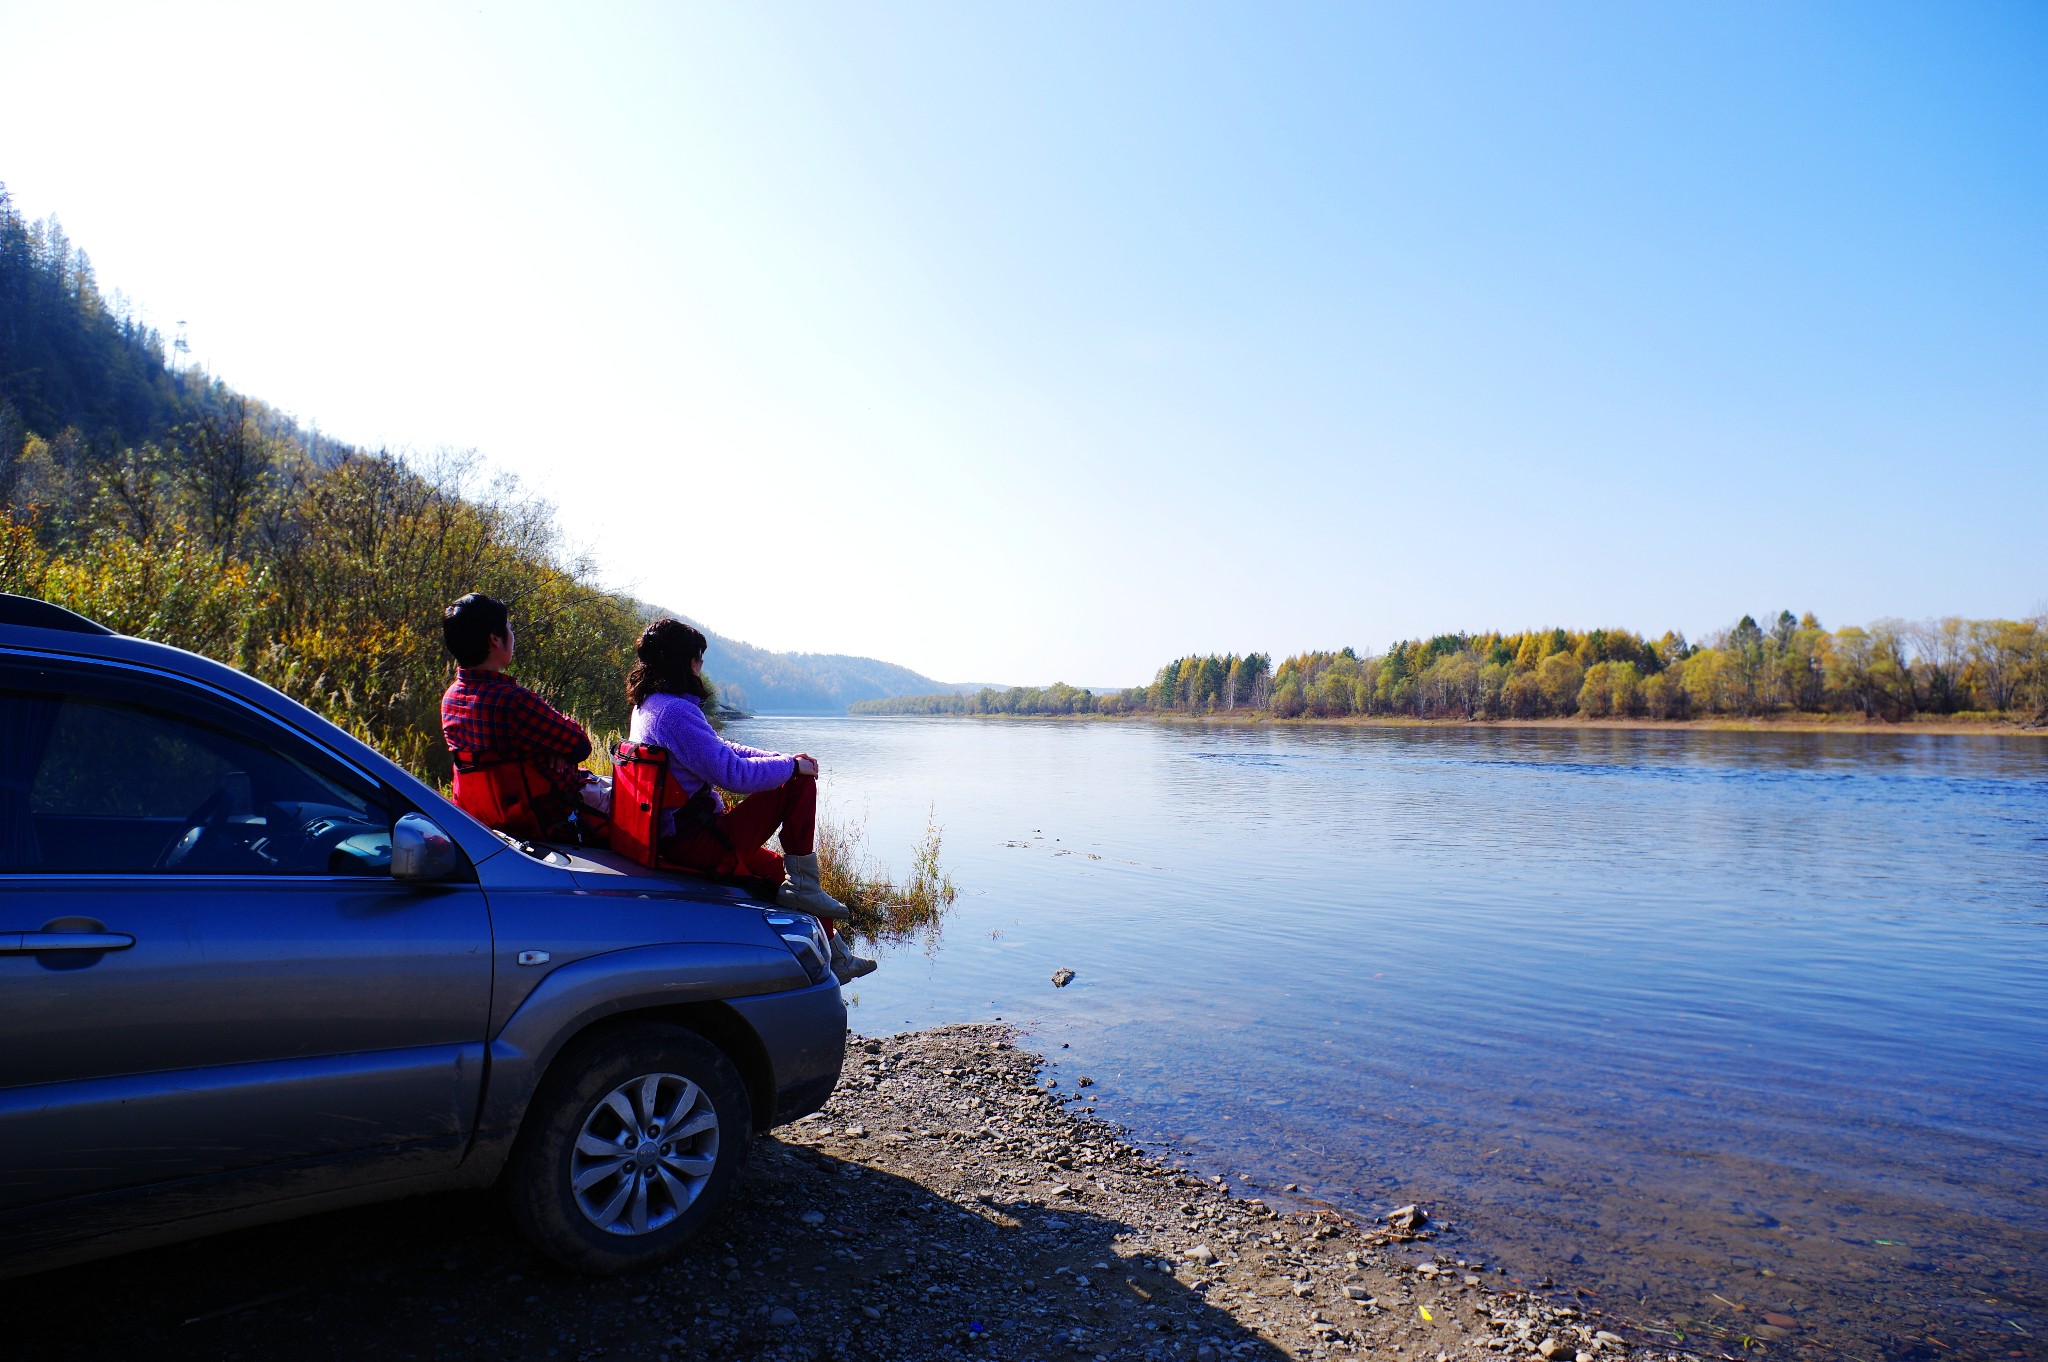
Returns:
point(420, 851)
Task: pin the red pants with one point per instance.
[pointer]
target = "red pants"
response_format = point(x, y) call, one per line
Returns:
point(791, 806)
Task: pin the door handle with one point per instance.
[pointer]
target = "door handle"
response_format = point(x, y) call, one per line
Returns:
point(35, 943)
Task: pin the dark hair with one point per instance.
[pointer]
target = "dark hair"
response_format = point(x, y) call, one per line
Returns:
point(666, 649)
point(468, 625)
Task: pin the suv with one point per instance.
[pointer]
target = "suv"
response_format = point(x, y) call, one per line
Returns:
point(250, 969)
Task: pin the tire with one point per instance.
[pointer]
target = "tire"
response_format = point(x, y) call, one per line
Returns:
point(641, 1198)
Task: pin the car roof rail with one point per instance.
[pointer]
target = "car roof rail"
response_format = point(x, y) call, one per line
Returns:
point(31, 613)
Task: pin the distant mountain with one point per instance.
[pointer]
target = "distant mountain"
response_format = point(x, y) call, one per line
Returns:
point(761, 682)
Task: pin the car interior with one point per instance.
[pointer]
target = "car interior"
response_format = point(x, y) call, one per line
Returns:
point(102, 786)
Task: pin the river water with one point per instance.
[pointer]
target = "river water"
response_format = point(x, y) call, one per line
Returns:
point(1711, 1025)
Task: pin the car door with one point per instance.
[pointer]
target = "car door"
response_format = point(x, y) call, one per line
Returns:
point(206, 970)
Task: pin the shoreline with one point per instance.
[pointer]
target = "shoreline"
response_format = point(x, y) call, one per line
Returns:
point(2000, 728)
point(1105, 1249)
point(946, 1204)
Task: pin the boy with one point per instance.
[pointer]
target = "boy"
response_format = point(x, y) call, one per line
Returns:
point(487, 718)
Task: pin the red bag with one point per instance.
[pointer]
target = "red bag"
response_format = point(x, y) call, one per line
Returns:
point(500, 794)
point(642, 790)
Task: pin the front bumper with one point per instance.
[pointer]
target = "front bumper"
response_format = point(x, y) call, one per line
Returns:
point(803, 1033)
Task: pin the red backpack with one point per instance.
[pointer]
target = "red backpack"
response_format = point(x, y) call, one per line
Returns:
point(502, 795)
point(520, 799)
point(643, 789)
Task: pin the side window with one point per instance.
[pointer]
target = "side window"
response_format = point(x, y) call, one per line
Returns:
point(107, 785)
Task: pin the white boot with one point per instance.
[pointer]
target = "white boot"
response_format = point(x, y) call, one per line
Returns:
point(846, 964)
point(801, 891)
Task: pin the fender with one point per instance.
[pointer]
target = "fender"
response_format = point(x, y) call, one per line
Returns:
point(584, 991)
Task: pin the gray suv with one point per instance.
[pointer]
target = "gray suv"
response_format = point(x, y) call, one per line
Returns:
point(250, 969)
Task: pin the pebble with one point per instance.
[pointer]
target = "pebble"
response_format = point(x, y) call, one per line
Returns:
point(782, 1317)
point(1062, 977)
point(1200, 1253)
point(812, 1217)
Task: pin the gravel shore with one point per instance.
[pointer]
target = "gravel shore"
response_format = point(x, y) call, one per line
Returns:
point(980, 1216)
point(946, 1204)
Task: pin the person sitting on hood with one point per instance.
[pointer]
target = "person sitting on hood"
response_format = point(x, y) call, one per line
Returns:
point(668, 692)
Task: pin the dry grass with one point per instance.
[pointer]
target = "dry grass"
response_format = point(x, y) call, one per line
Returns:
point(882, 909)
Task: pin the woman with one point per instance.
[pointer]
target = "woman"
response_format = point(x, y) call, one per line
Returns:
point(668, 694)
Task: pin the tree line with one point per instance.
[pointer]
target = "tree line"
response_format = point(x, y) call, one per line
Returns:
point(1892, 670)
point(167, 506)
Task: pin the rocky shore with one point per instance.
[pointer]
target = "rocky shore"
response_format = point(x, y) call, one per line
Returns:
point(946, 1204)
point(981, 1217)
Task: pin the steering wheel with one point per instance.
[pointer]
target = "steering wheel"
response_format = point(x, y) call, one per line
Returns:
point(203, 821)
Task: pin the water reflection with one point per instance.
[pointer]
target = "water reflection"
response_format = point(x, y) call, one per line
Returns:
point(1693, 1007)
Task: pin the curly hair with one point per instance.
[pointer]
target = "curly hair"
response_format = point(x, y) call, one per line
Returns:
point(666, 650)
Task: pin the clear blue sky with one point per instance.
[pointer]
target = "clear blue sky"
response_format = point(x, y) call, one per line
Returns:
point(1031, 342)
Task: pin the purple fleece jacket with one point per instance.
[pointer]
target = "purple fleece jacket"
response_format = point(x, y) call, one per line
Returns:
point(697, 755)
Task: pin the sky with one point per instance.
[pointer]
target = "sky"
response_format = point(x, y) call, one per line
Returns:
point(1020, 343)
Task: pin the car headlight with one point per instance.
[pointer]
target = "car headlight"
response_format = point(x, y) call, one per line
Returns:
point(805, 937)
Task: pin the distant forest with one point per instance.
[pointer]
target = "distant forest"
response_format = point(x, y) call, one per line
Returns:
point(1891, 671)
point(165, 505)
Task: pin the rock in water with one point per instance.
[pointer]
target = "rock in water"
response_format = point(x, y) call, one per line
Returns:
point(1408, 1218)
point(1062, 977)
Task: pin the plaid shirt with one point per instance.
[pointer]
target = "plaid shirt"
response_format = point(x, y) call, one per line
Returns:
point(494, 718)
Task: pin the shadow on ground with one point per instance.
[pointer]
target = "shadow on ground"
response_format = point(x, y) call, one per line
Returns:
point(892, 1270)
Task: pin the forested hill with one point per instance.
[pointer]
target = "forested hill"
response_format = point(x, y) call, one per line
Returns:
point(71, 360)
point(167, 506)
point(80, 371)
point(760, 682)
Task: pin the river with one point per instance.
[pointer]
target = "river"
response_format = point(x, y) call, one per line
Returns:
point(1710, 1025)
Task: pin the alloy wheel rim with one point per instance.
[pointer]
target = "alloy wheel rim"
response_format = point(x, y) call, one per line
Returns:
point(644, 1153)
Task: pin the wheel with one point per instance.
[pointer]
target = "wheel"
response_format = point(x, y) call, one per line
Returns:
point(630, 1146)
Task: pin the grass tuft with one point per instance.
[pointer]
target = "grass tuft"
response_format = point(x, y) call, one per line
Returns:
point(882, 909)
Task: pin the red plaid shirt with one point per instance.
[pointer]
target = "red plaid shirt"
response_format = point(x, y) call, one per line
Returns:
point(493, 718)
